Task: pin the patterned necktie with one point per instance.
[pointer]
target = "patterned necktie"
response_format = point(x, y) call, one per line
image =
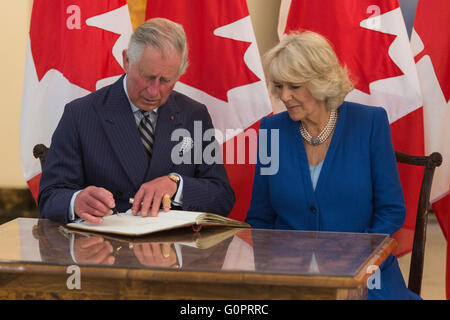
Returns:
point(147, 132)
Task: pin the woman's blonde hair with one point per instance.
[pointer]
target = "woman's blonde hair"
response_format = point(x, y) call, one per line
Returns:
point(307, 58)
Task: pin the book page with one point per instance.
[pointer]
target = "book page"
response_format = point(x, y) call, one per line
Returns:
point(127, 224)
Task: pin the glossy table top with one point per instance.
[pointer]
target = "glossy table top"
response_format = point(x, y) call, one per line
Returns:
point(215, 250)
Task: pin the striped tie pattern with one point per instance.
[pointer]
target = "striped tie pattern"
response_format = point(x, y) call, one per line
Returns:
point(147, 132)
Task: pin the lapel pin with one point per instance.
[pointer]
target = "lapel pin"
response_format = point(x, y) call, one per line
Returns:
point(172, 117)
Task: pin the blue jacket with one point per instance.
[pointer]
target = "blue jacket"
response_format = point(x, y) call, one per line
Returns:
point(358, 189)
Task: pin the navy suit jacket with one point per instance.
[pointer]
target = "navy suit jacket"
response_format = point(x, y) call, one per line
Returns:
point(97, 143)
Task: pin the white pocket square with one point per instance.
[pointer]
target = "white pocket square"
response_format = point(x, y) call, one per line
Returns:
point(186, 145)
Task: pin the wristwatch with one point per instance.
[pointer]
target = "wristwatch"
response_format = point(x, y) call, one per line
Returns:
point(174, 178)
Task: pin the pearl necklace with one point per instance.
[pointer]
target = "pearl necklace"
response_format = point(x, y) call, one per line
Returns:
point(323, 136)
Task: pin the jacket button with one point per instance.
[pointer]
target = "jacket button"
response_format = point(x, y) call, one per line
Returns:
point(313, 209)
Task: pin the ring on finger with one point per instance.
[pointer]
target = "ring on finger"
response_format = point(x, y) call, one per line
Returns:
point(166, 201)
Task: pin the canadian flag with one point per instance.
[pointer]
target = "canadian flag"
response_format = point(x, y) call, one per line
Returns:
point(430, 42)
point(74, 47)
point(225, 74)
point(370, 38)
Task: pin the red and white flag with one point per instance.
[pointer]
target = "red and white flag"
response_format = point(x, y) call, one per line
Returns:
point(430, 42)
point(75, 47)
point(225, 74)
point(370, 38)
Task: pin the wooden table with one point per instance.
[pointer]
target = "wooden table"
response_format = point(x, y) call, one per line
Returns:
point(37, 262)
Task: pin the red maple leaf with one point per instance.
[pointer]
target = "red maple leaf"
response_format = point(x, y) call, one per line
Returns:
point(432, 15)
point(216, 64)
point(82, 55)
point(363, 51)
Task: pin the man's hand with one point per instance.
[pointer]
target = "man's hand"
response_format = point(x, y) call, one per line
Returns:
point(93, 203)
point(93, 250)
point(150, 194)
point(155, 254)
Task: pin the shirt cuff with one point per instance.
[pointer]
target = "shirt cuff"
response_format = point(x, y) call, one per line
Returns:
point(179, 255)
point(72, 250)
point(178, 199)
point(71, 207)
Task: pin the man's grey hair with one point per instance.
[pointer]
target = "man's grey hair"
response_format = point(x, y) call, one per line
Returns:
point(159, 33)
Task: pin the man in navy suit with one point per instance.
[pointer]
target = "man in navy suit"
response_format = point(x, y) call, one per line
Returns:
point(106, 149)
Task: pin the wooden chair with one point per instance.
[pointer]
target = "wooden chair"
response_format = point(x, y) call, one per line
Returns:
point(418, 251)
point(40, 152)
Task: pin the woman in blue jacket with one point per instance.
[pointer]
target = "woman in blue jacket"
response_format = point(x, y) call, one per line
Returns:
point(337, 167)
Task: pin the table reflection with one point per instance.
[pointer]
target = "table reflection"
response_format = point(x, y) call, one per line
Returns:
point(171, 249)
point(211, 249)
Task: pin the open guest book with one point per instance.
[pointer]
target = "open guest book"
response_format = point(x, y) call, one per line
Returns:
point(129, 225)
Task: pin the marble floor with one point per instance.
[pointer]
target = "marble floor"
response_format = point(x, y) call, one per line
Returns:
point(433, 281)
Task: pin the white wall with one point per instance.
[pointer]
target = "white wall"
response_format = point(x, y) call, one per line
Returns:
point(14, 26)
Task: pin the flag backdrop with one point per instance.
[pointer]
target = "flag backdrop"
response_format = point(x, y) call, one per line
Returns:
point(370, 38)
point(226, 75)
point(430, 42)
point(75, 47)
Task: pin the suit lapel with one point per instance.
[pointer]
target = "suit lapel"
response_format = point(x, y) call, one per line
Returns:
point(121, 129)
